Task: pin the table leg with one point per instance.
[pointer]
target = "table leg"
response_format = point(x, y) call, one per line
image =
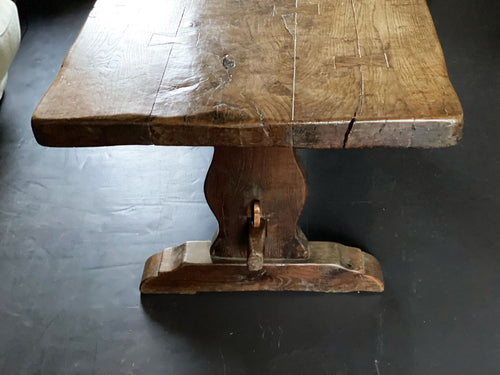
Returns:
point(257, 195)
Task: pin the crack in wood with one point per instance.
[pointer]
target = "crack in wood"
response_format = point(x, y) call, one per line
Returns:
point(362, 89)
point(348, 131)
point(163, 75)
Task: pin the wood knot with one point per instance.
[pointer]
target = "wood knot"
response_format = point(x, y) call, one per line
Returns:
point(228, 62)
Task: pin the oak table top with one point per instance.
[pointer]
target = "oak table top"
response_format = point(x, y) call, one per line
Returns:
point(295, 73)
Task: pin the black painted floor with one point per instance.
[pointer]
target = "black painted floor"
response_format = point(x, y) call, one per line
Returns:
point(77, 224)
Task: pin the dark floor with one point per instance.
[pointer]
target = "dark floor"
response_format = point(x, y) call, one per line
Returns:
point(77, 224)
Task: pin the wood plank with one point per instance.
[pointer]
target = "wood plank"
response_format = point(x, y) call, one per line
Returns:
point(326, 87)
point(107, 85)
point(228, 77)
point(409, 102)
point(333, 268)
point(296, 73)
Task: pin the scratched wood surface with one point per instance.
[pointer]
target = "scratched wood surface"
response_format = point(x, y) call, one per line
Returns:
point(301, 73)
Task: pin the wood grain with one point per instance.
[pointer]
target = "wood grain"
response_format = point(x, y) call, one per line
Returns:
point(188, 269)
point(295, 73)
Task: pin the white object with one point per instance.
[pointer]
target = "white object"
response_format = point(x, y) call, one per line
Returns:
point(10, 37)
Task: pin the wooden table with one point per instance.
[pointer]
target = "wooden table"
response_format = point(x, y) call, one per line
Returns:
point(256, 79)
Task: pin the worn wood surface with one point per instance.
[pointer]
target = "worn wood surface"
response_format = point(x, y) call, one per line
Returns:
point(239, 176)
point(332, 268)
point(301, 73)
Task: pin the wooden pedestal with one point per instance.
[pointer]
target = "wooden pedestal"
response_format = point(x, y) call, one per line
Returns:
point(257, 194)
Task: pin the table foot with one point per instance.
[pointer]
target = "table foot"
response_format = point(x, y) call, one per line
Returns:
point(331, 267)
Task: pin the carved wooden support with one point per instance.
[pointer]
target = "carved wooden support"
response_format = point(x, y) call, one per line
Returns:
point(257, 195)
point(240, 176)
